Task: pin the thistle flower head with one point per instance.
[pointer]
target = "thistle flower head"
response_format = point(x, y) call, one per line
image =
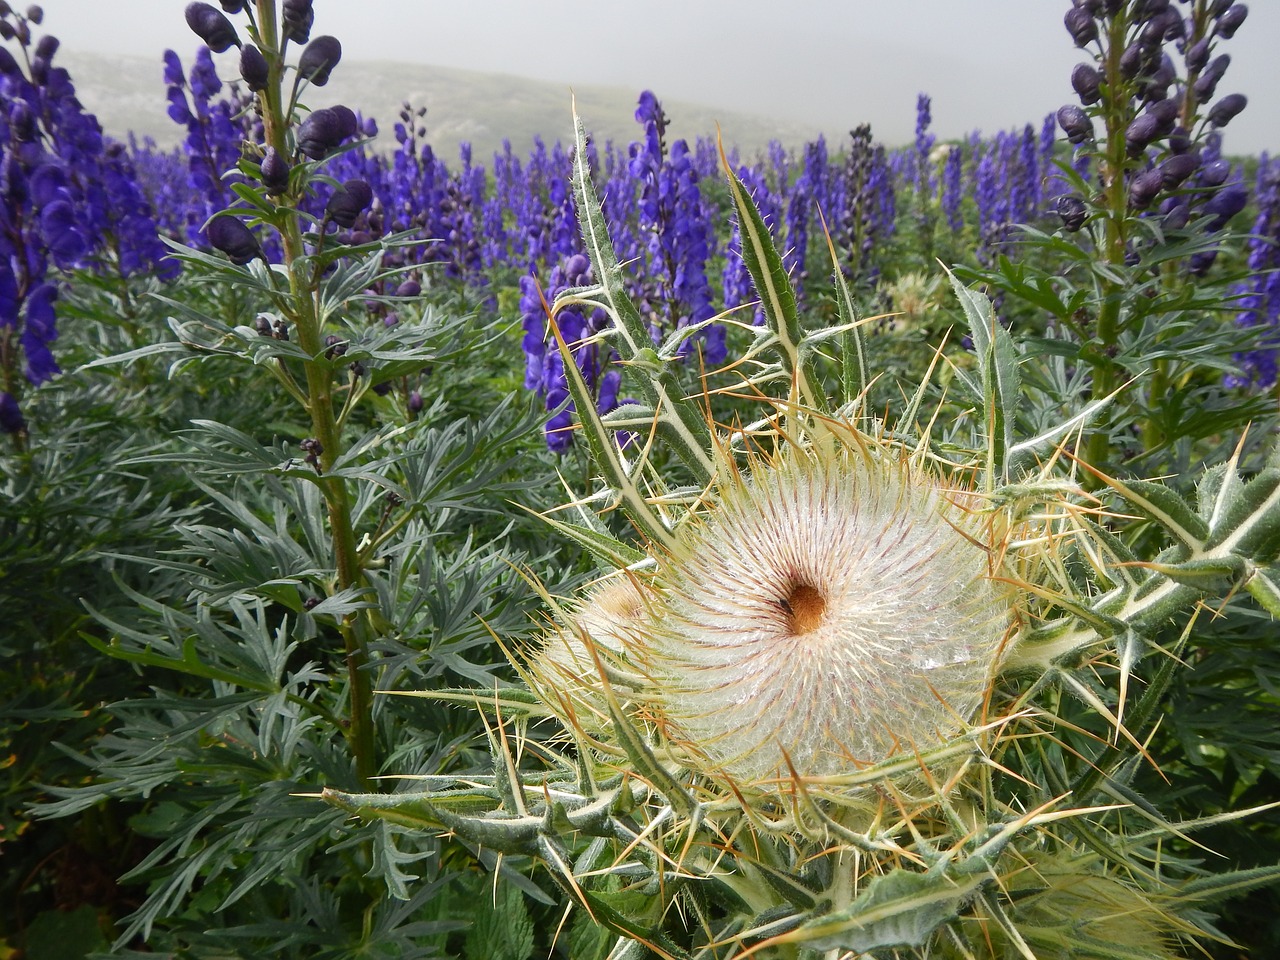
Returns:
point(830, 611)
point(598, 641)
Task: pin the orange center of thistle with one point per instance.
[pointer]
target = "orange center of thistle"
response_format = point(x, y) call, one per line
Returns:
point(805, 606)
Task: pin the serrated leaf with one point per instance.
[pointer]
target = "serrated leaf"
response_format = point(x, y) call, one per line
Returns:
point(501, 928)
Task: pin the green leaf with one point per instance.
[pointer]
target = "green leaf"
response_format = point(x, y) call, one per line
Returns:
point(501, 928)
point(998, 371)
point(764, 263)
point(898, 909)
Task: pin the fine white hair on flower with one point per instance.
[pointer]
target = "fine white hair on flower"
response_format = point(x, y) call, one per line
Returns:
point(602, 633)
point(827, 612)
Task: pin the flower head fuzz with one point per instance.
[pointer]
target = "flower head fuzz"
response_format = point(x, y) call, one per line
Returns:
point(828, 612)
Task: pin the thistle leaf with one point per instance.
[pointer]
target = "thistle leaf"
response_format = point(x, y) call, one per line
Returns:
point(998, 370)
point(776, 296)
point(899, 909)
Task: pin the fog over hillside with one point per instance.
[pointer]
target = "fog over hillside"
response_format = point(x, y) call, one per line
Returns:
point(128, 95)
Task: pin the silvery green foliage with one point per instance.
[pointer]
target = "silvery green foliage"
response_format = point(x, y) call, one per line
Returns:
point(1019, 834)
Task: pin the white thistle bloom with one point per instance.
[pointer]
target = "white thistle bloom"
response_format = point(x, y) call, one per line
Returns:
point(828, 612)
point(602, 633)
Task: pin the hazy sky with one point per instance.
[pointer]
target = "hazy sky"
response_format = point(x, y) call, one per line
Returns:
point(988, 64)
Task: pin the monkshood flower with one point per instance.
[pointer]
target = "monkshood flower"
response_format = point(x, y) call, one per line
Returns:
point(215, 130)
point(544, 366)
point(1157, 105)
point(1259, 297)
point(869, 206)
point(953, 188)
point(68, 199)
point(922, 168)
point(807, 195)
point(678, 240)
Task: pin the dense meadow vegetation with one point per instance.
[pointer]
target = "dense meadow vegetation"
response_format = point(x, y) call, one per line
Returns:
point(609, 551)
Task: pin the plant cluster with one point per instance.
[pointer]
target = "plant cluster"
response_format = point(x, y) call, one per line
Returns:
point(868, 640)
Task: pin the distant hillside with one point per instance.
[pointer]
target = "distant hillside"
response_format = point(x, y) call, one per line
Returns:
point(127, 94)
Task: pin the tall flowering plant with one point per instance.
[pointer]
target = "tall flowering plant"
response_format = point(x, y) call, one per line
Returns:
point(347, 533)
point(1132, 294)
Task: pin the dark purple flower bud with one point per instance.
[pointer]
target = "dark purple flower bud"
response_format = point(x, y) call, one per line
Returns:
point(35, 13)
point(1177, 212)
point(335, 346)
point(1086, 80)
point(1218, 7)
point(1093, 6)
point(348, 125)
point(253, 68)
point(1075, 123)
point(410, 288)
point(1176, 169)
point(1230, 20)
point(320, 133)
point(8, 66)
point(1215, 173)
point(415, 402)
point(22, 122)
point(1179, 139)
point(319, 58)
point(6, 30)
point(11, 420)
point(1197, 54)
point(1225, 204)
point(297, 19)
point(1166, 114)
point(1222, 112)
point(1143, 129)
point(1080, 24)
point(275, 172)
point(234, 238)
point(1152, 9)
point(348, 202)
point(211, 25)
point(1207, 82)
point(1144, 188)
point(1132, 59)
point(46, 47)
point(232, 6)
point(1199, 263)
point(262, 324)
point(1175, 28)
point(1072, 211)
